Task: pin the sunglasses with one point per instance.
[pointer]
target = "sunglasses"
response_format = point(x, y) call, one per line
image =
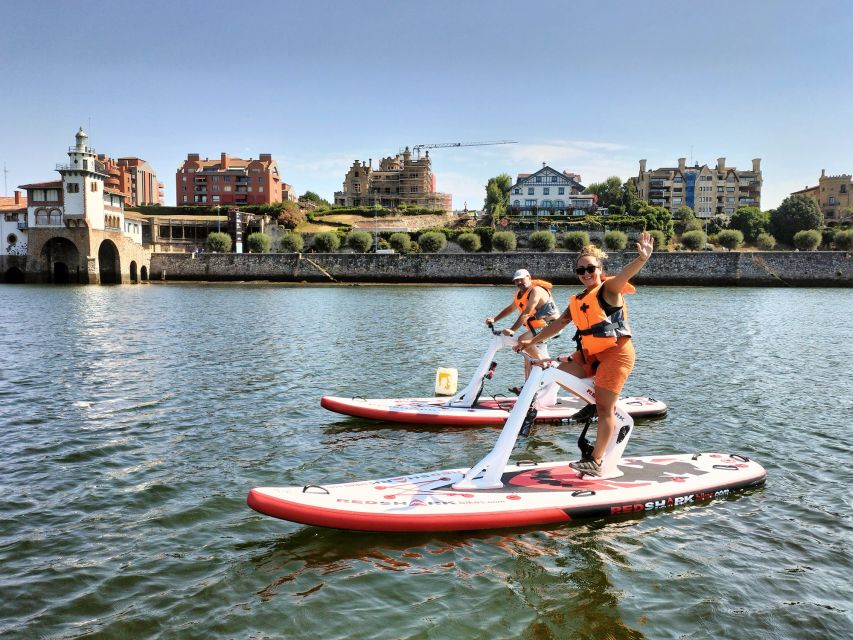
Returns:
point(590, 268)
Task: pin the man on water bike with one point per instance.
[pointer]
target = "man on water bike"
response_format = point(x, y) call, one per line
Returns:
point(536, 310)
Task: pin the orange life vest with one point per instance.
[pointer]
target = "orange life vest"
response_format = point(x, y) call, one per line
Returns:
point(597, 331)
point(521, 302)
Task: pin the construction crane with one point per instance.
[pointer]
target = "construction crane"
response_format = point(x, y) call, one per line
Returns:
point(417, 148)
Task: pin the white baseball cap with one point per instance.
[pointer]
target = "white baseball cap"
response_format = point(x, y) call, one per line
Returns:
point(521, 273)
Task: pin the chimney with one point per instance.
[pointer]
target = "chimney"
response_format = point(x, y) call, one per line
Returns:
point(17, 197)
point(193, 156)
point(822, 174)
point(223, 162)
point(721, 164)
point(682, 163)
point(370, 161)
point(265, 157)
point(756, 164)
point(642, 166)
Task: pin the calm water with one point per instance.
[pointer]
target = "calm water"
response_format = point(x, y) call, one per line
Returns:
point(134, 420)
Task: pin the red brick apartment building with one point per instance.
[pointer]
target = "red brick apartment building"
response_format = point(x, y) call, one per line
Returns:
point(227, 181)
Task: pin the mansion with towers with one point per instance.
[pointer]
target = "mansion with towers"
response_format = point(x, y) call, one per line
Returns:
point(74, 229)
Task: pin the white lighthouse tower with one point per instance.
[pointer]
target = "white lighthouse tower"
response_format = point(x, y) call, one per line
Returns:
point(83, 183)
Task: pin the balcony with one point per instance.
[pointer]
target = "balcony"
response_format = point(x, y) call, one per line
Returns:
point(22, 224)
point(659, 183)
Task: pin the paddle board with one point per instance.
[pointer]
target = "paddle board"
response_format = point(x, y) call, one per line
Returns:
point(532, 494)
point(490, 411)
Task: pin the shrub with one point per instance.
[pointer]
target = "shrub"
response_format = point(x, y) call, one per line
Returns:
point(694, 240)
point(218, 242)
point(844, 240)
point(658, 239)
point(504, 241)
point(291, 243)
point(383, 244)
point(615, 240)
point(751, 221)
point(470, 242)
point(693, 225)
point(327, 242)
point(400, 242)
point(765, 242)
point(730, 238)
point(359, 241)
point(575, 240)
point(807, 240)
point(542, 241)
point(290, 215)
point(258, 242)
point(432, 241)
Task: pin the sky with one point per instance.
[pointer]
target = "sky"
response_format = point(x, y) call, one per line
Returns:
point(587, 87)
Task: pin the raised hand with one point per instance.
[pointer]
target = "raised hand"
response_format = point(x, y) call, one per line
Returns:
point(645, 246)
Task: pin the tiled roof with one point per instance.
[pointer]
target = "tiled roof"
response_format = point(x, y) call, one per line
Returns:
point(8, 203)
point(55, 184)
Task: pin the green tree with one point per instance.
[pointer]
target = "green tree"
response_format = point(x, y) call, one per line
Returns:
point(750, 221)
point(470, 242)
point(609, 194)
point(807, 239)
point(682, 218)
point(258, 242)
point(327, 242)
point(796, 213)
point(765, 242)
point(291, 242)
point(630, 198)
point(730, 238)
point(616, 240)
point(504, 241)
point(542, 241)
point(432, 241)
point(310, 196)
point(694, 240)
point(400, 242)
point(657, 217)
point(218, 242)
point(497, 197)
point(575, 240)
point(715, 224)
point(359, 241)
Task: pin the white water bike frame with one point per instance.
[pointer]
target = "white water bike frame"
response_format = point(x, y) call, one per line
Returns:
point(486, 474)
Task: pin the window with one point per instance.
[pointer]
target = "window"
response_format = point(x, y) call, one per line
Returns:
point(516, 192)
point(538, 178)
point(215, 179)
point(260, 189)
point(530, 191)
point(843, 189)
point(516, 203)
point(719, 189)
point(678, 180)
point(676, 201)
point(93, 186)
point(215, 187)
point(559, 204)
point(215, 198)
point(561, 191)
point(185, 198)
point(11, 238)
point(730, 200)
point(72, 187)
point(553, 179)
point(183, 178)
point(546, 191)
point(832, 200)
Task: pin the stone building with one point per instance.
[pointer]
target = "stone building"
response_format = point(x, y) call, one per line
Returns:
point(834, 195)
point(720, 190)
point(400, 179)
point(75, 229)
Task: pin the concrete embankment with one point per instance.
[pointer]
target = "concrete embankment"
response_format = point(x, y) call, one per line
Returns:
point(767, 268)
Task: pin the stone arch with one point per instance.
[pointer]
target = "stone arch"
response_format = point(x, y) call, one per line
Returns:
point(143, 273)
point(62, 259)
point(109, 263)
point(13, 276)
point(134, 277)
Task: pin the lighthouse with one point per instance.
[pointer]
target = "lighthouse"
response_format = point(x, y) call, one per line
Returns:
point(83, 185)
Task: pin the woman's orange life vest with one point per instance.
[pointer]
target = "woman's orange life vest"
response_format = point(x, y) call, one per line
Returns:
point(597, 331)
point(521, 298)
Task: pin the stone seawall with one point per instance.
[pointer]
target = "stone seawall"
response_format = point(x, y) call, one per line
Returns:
point(766, 268)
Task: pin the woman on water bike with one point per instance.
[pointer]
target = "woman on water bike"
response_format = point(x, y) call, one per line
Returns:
point(604, 348)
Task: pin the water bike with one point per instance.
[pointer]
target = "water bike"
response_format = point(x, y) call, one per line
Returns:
point(469, 408)
point(493, 493)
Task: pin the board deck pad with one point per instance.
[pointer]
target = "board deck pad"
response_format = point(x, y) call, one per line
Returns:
point(533, 494)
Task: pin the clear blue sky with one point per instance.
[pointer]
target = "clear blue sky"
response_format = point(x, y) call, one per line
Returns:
point(589, 87)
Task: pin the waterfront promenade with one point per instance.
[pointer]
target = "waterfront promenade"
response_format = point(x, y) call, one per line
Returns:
point(765, 268)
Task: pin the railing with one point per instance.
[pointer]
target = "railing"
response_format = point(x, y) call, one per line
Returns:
point(22, 224)
point(76, 149)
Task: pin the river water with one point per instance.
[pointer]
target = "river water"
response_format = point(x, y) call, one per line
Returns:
point(134, 419)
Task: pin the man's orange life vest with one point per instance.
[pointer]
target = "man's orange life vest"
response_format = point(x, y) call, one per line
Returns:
point(597, 331)
point(521, 302)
